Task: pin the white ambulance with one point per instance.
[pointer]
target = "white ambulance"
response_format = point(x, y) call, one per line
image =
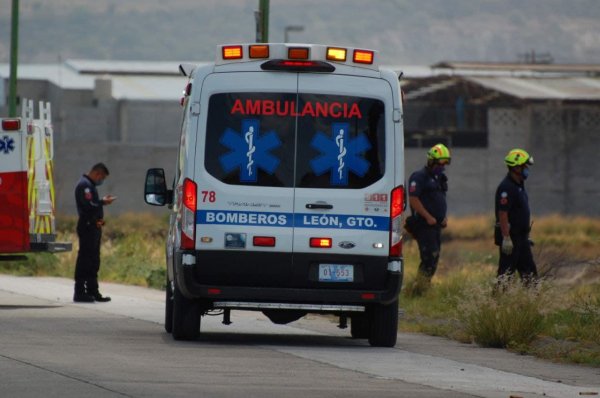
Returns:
point(288, 190)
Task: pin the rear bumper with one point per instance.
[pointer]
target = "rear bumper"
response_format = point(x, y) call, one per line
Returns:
point(191, 287)
point(52, 247)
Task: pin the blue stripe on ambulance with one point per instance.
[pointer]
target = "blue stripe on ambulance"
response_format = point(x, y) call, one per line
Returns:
point(298, 220)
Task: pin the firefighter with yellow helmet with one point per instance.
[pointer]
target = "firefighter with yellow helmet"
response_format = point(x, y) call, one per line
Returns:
point(513, 218)
point(427, 198)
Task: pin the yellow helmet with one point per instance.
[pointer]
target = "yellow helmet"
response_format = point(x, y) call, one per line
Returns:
point(518, 157)
point(439, 152)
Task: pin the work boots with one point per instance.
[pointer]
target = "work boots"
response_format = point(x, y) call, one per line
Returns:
point(83, 295)
point(80, 295)
point(100, 298)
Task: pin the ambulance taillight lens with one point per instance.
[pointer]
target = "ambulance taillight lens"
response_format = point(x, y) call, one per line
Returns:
point(336, 54)
point(265, 241)
point(232, 52)
point(259, 51)
point(188, 214)
point(323, 243)
point(396, 209)
point(363, 57)
point(189, 194)
point(11, 124)
point(397, 201)
point(298, 53)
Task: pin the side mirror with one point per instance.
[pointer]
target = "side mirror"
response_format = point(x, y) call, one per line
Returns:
point(155, 189)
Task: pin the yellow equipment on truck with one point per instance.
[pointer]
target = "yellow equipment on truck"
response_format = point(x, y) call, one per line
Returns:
point(27, 197)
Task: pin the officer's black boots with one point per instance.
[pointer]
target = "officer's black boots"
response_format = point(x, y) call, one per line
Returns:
point(83, 295)
point(80, 295)
point(98, 297)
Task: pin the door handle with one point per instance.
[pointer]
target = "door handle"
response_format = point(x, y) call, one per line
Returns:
point(319, 206)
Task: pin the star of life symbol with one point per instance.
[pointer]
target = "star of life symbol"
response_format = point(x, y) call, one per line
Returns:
point(7, 144)
point(339, 154)
point(249, 151)
point(251, 148)
point(339, 141)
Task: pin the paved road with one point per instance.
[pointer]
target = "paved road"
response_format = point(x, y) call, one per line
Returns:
point(52, 347)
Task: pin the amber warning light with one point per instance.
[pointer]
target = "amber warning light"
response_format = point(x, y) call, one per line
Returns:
point(336, 54)
point(232, 52)
point(363, 56)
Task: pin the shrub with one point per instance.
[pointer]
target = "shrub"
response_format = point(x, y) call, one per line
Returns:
point(503, 314)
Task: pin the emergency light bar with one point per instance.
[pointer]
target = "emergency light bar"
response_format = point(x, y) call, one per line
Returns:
point(312, 54)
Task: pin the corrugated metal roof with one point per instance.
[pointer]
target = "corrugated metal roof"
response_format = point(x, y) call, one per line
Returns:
point(557, 88)
point(96, 67)
point(130, 79)
point(584, 69)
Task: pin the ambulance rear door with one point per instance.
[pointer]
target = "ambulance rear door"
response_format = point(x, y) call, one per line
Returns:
point(344, 176)
point(245, 177)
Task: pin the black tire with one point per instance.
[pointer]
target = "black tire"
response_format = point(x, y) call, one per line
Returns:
point(384, 325)
point(360, 328)
point(169, 308)
point(186, 317)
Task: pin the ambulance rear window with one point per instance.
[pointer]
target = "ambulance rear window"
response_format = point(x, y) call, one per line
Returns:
point(342, 147)
point(249, 141)
point(286, 140)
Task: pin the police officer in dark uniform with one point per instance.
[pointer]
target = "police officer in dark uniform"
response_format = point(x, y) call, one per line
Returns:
point(89, 231)
point(427, 198)
point(513, 218)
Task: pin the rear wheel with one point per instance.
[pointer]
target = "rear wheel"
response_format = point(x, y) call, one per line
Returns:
point(169, 308)
point(384, 325)
point(186, 317)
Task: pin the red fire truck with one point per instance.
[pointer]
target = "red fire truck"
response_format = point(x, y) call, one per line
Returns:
point(27, 201)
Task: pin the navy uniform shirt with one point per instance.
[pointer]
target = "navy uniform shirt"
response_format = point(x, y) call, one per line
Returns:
point(431, 191)
point(512, 198)
point(89, 205)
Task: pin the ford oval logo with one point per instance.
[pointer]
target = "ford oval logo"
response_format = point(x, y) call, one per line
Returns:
point(347, 245)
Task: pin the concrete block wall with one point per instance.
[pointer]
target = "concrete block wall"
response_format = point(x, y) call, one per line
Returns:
point(132, 136)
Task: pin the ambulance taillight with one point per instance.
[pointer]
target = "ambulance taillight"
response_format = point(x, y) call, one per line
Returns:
point(396, 209)
point(188, 214)
point(11, 124)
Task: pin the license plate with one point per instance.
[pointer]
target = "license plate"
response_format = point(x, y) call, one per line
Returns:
point(336, 273)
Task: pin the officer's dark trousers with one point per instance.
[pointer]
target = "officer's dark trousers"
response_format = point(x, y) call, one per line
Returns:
point(429, 239)
point(88, 257)
point(521, 260)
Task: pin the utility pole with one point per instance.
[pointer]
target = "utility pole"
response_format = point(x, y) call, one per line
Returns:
point(262, 22)
point(14, 46)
